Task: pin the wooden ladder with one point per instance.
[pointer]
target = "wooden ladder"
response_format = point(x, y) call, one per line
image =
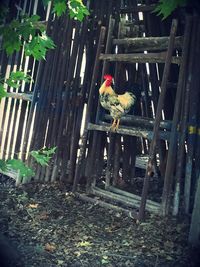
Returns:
point(158, 129)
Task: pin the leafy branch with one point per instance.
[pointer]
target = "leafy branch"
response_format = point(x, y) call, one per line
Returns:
point(15, 80)
point(42, 156)
point(76, 9)
point(29, 31)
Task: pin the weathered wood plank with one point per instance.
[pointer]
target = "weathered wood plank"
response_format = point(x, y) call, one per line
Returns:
point(148, 43)
point(139, 8)
point(139, 58)
point(125, 198)
point(133, 131)
point(104, 204)
point(150, 203)
point(142, 121)
point(21, 96)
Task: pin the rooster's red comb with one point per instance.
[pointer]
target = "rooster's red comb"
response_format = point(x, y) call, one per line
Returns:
point(107, 77)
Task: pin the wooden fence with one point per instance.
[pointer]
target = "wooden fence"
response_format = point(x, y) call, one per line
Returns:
point(66, 87)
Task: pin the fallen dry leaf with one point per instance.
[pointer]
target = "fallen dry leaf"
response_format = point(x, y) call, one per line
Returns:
point(50, 247)
point(33, 206)
point(43, 216)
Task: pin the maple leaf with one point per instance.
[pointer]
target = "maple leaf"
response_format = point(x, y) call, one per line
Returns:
point(166, 7)
point(3, 165)
point(18, 165)
point(3, 93)
point(60, 8)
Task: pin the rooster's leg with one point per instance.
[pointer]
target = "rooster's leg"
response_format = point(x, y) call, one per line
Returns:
point(113, 125)
point(117, 125)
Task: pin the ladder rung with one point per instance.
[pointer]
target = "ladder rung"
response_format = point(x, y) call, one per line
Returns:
point(148, 43)
point(139, 58)
point(142, 121)
point(132, 131)
point(141, 8)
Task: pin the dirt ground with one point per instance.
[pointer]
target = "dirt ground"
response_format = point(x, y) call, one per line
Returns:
point(50, 227)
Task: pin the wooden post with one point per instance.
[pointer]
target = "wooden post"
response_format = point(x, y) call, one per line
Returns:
point(194, 234)
point(192, 116)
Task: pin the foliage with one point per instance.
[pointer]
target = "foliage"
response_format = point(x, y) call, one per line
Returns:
point(26, 30)
point(2, 92)
point(29, 32)
point(59, 7)
point(3, 165)
point(18, 165)
point(76, 9)
point(3, 12)
point(43, 156)
point(166, 7)
point(39, 46)
point(16, 77)
point(15, 80)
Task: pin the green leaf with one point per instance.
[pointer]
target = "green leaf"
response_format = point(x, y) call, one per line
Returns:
point(11, 42)
point(17, 77)
point(3, 12)
point(77, 9)
point(18, 31)
point(3, 93)
point(38, 46)
point(18, 165)
point(48, 152)
point(60, 8)
point(40, 158)
point(43, 156)
point(166, 7)
point(3, 165)
point(45, 2)
point(105, 260)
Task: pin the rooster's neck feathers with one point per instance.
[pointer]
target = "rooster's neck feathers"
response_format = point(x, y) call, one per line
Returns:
point(106, 89)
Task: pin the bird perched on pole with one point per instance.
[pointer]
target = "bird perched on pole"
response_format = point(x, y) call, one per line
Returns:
point(118, 105)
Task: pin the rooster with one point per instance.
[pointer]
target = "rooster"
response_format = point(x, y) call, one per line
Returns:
point(118, 105)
